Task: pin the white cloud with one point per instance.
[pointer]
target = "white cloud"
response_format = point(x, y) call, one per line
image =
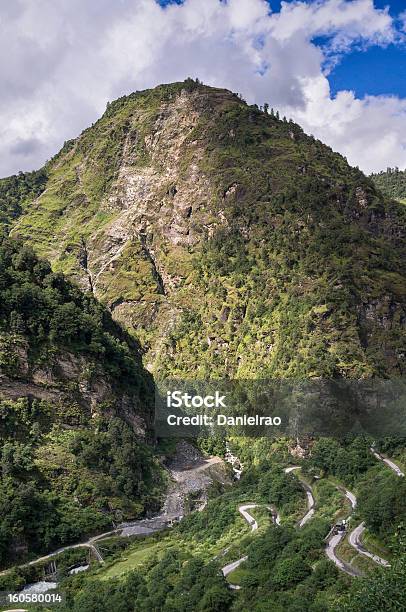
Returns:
point(368, 132)
point(345, 21)
point(63, 59)
point(402, 19)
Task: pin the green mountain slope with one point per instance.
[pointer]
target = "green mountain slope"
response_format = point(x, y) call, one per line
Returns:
point(15, 190)
point(226, 240)
point(392, 182)
point(75, 413)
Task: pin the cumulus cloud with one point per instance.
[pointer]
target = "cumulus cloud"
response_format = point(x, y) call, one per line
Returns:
point(62, 60)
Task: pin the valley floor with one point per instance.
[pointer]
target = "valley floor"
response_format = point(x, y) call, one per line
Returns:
point(227, 532)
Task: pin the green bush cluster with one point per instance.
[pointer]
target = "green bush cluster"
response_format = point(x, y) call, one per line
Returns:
point(175, 583)
point(346, 459)
point(17, 190)
point(392, 182)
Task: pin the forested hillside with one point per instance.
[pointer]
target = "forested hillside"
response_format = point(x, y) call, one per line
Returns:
point(392, 182)
point(75, 405)
point(15, 190)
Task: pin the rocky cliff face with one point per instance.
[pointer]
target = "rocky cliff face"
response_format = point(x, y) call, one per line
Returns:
point(226, 240)
point(77, 387)
point(60, 346)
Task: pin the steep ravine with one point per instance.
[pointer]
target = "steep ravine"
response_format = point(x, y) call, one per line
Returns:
point(190, 474)
point(76, 409)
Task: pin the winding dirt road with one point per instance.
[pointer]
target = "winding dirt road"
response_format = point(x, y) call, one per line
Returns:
point(309, 494)
point(355, 541)
point(388, 462)
point(355, 536)
point(334, 539)
point(230, 567)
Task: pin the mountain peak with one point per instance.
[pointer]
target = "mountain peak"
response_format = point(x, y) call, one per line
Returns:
point(209, 226)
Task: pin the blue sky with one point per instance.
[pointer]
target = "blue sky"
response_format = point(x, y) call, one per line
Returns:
point(377, 70)
point(374, 71)
point(337, 67)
